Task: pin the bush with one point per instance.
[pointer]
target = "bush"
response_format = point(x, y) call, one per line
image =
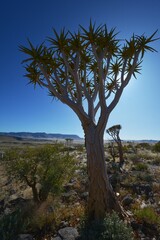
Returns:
point(141, 167)
point(115, 229)
point(156, 147)
point(147, 214)
point(144, 146)
point(112, 228)
point(48, 165)
point(146, 177)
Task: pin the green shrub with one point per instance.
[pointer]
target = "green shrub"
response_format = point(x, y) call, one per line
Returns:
point(80, 148)
point(156, 147)
point(144, 146)
point(145, 177)
point(115, 229)
point(147, 214)
point(112, 228)
point(141, 167)
point(132, 157)
point(146, 155)
point(48, 165)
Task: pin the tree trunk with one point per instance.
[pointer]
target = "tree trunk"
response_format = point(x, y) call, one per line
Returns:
point(120, 149)
point(43, 193)
point(101, 196)
point(35, 194)
point(112, 151)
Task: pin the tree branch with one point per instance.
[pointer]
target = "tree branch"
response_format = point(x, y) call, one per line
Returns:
point(123, 84)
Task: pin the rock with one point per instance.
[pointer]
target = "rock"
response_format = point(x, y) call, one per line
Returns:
point(68, 233)
point(127, 200)
point(85, 195)
point(143, 205)
point(64, 224)
point(143, 189)
point(25, 237)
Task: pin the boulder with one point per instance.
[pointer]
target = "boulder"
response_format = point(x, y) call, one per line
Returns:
point(68, 233)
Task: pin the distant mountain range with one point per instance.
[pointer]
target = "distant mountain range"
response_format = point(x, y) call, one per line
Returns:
point(48, 136)
point(40, 135)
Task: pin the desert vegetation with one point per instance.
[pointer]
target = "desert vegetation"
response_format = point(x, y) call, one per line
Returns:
point(136, 186)
point(88, 71)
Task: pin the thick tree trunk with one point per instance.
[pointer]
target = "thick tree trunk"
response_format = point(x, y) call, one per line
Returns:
point(101, 196)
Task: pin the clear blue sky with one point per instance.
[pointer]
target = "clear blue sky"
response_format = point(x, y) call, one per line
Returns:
point(24, 109)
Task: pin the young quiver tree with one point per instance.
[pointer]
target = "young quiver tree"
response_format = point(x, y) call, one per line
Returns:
point(48, 166)
point(88, 71)
point(114, 132)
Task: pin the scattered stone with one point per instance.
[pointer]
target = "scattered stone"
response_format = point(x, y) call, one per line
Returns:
point(85, 195)
point(143, 205)
point(127, 200)
point(68, 233)
point(143, 189)
point(64, 224)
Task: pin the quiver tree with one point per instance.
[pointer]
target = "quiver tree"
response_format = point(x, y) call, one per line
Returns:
point(88, 71)
point(114, 132)
point(47, 166)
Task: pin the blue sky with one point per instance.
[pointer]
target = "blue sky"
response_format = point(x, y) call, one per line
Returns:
point(24, 109)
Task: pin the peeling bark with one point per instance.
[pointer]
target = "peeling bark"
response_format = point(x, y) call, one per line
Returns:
point(101, 196)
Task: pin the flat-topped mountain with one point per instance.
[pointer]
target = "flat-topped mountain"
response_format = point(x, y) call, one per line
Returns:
point(40, 135)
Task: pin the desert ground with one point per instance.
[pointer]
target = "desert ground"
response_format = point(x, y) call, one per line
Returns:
point(137, 187)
